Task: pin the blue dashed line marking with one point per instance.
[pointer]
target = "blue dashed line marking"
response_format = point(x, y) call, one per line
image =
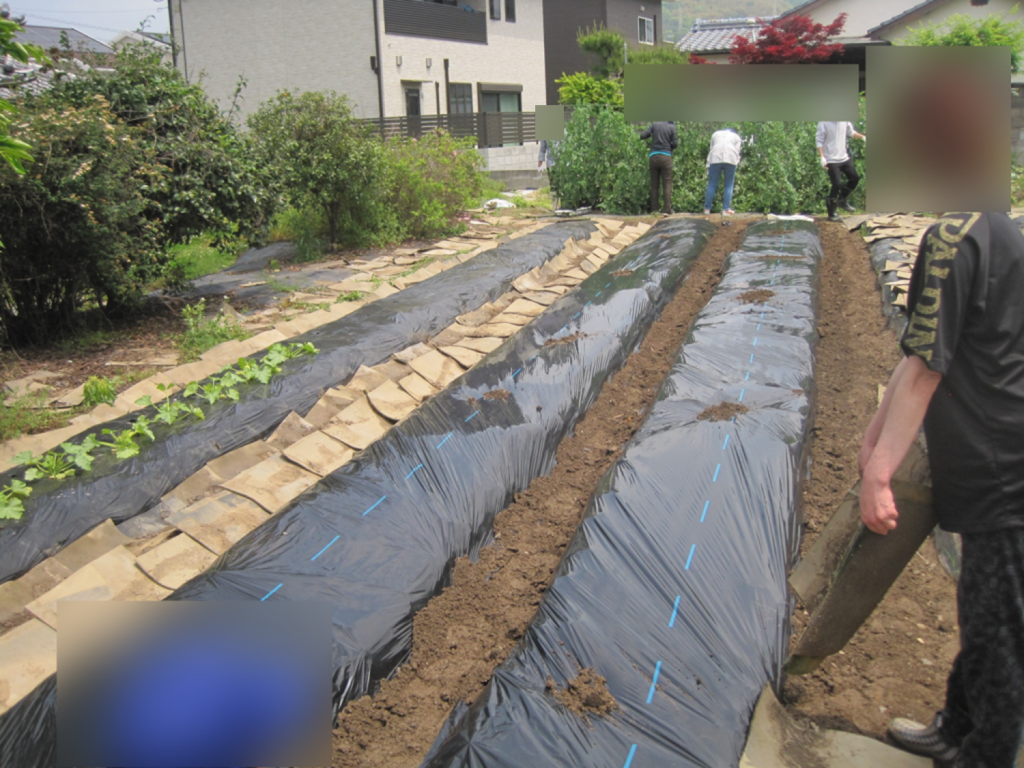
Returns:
point(762, 315)
point(577, 314)
point(598, 294)
point(747, 377)
point(314, 557)
point(675, 610)
point(477, 413)
point(751, 357)
point(629, 760)
point(705, 512)
point(271, 592)
point(759, 326)
point(445, 440)
point(654, 682)
point(514, 374)
point(380, 500)
point(755, 341)
point(717, 470)
point(726, 443)
point(693, 547)
point(586, 305)
point(742, 391)
point(414, 472)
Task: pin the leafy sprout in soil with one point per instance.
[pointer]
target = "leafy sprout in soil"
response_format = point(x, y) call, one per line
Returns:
point(71, 458)
point(98, 390)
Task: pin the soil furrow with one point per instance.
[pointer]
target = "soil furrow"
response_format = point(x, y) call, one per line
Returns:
point(896, 665)
point(470, 628)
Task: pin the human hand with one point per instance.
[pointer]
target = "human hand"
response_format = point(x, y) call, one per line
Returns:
point(824, 162)
point(877, 505)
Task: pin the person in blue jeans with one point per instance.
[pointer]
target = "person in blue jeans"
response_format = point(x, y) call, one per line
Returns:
point(722, 161)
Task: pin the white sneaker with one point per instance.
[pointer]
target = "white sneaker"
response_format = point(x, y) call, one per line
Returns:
point(925, 740)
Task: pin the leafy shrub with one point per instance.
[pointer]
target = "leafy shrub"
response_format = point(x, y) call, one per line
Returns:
point(98, 390)
point(305, 228)
point(582, 88)
point(213, 182)
point(325, 160)
point(961, 29)
point(202, 334)
point(78, 227)
point(602, 162)
point(435, 178)
point(200, 256)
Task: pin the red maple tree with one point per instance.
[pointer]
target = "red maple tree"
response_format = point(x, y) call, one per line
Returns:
point(793, 40)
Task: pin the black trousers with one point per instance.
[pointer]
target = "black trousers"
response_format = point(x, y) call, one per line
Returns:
point(661, 176)
point(836, 171)
point(984, 712)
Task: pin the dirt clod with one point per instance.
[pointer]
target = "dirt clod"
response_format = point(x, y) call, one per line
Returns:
point(497, 395)
point(622, 273)
point(757, 296)
point(586, 694)
point(564, 340)
point(722, 412)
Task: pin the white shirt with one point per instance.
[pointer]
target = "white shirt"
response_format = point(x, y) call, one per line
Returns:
point(831, 138)
point(725, 148)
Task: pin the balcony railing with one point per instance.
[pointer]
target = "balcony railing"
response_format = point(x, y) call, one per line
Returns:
point(490, 129)
point(417, 18)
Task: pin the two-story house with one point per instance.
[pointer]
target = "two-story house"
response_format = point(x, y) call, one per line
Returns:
point(638, 21)
point(390, 57)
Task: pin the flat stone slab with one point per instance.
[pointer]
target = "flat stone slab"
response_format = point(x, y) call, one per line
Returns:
point(320, 453)
point(391, 401)
point(176, 561)
point(291, 430)
point(71, 398)
point(452, 334)
point(358, 425)
point(544, 298)
point(24, 386)
point(561, 290)
point(15, 595)
point(528, 282)
point(485, 345)
point(511, 318)
point(196, 486)
point(272, 483)
point(146, 524)
point(261, 341)
point(478, 316)
point(525, 307)
point(386, 290)
point(418, 387)
point(366, 379)
point(465, 357)
point(409, 354)
point(562, 261)
point(237, 461)
point(96, 543)
point(438, 369)
point(576, 274)
point(352, 284)
point(305, 323)
point(393, 370)
point(219, 521)
point(587, 268)
point(111, 577)
point(28, 655)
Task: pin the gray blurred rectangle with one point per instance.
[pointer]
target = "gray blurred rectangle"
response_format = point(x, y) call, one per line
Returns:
point(757, 92)
point(550, 122)
point(154, 684)
point(940, 129)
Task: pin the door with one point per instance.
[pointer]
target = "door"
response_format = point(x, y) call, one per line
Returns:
point(413, 112)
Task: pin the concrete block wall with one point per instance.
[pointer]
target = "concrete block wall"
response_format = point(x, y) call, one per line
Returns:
point(522, 158)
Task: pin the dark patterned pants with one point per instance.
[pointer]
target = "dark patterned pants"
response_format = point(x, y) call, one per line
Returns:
point(984, 711)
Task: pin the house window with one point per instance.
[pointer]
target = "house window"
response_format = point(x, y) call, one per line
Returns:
point(496, 9)
point(510, 10)
point(461, 95)
point(646, 30)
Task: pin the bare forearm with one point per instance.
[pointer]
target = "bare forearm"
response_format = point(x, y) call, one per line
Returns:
point(875, 428)
point(908, 398)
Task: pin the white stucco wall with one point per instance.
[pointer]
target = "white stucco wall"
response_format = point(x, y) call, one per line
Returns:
point(863, 15)
point(302, 45)
point(514, 55)
point(958, 7)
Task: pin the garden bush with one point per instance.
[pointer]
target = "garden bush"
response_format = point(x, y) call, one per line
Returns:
point(435, 178)
point(79, 229)
point(324, 159)
point(213, 182)
point(603, 163)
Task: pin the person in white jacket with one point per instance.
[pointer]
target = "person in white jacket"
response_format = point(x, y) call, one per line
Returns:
point(835, 159)
point(721, 163)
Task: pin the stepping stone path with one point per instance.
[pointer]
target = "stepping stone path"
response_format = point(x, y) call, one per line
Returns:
point(909, 229)
point(232, 495)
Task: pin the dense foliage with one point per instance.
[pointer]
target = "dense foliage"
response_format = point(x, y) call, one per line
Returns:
point(212, 183)
point(79, 226)
point(603, 162)
point(13, 151)
point(961, 29)
point(584, 88)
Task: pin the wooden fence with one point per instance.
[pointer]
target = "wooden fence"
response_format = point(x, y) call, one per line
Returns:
point(490, 129)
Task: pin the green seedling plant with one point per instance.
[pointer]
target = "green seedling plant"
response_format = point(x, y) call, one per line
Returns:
point(350, 296)
point(12, 500)
point(98, 391)
point(55, 466)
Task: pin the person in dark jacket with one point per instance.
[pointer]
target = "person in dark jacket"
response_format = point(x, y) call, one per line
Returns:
point(663, 140)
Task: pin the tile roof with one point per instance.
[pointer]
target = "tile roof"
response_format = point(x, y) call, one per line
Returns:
point(908, 12)
point(712, 35)
point(49, 37)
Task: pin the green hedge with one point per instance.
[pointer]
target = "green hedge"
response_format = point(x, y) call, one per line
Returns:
point(603, 163)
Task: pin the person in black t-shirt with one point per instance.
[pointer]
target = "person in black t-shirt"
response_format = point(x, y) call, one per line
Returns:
point(963, 376)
